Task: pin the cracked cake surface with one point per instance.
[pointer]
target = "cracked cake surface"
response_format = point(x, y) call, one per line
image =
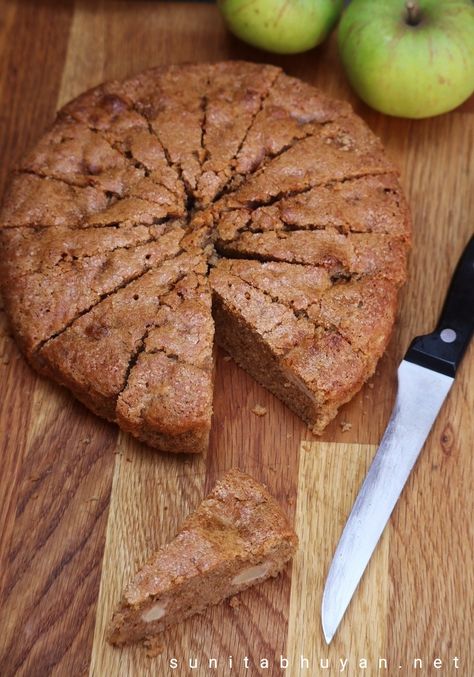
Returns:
point(200, 203)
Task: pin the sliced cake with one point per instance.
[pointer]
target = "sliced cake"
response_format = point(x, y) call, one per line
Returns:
point(281, 191)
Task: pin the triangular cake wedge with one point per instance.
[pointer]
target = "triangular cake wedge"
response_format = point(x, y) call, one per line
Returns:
point(237, 537)
point(234, 97)
point(292, 110)
point(31, 250)
point(338, 151)
point(361, 309)
point(172, 99)
point(70, 152)
point(167, 401)
point(41, 201)
point(93, 356)
point(369, 204)
point(374, 254)
point(107, 110)
point(45, 300)
point(311, 342)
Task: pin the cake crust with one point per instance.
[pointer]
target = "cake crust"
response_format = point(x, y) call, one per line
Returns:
point(276, 203)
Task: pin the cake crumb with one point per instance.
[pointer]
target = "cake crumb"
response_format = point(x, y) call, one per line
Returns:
point(345, 426)
point(234, 602)
point(227, 358)
point(214, 257)
point(154, 647)
point(370, 385)
point(258, 410)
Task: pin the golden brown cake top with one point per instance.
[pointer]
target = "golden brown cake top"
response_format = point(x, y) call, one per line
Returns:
point(223, 161)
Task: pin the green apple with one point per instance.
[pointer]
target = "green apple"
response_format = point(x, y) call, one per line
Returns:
point(411, 59)
point(281, 26)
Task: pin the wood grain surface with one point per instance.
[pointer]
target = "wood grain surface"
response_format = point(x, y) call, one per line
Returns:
point(82, 505)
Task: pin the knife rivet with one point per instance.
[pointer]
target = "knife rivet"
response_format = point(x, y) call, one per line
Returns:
point(448, 335)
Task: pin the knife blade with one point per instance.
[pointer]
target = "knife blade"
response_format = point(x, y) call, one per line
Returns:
point(425, 377)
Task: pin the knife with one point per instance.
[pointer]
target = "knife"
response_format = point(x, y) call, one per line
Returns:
point(425, 377)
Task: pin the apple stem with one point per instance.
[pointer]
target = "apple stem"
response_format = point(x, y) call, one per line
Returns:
point(413, 12)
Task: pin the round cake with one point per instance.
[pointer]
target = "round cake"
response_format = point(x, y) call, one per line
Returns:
point(189, 204)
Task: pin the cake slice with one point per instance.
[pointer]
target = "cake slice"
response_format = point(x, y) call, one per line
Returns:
point(74, 154)
point(40, 201)
point(173, 100)
point(361, 310)
point(109, 112)
point(298, 338)
point(337, 151)
point(31, 250)
point(167, 401)
point(292, 110)
point(106, 111)
point(234, 97)
point(374, 254)
point(370, 204)
point(93, 355)
point(237, 537)
point(44, 301)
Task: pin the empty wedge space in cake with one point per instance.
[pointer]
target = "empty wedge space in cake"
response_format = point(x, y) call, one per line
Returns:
point(237, 537)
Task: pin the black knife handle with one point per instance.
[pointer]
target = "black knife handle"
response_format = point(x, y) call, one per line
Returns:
point(443, 349)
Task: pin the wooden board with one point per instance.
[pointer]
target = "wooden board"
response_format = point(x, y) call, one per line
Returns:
point(81, 504)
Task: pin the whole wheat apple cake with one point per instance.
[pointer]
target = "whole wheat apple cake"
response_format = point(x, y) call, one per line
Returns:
point(193, 200)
